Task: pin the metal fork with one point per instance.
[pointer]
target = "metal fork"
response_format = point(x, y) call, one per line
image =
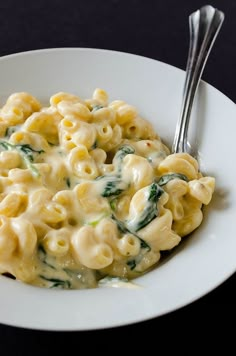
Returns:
point(204, 25)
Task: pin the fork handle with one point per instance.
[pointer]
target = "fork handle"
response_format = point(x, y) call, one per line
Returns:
point(204, 26)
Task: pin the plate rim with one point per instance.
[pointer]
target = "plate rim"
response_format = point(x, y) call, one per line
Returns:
point(138, 318)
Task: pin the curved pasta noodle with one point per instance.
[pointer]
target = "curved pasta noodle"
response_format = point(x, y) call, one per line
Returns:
point(192, 218)
point(140, 129)
point(202, 189)
point(176, 189)
point(56, 242)
point(8, 241)
point(138, 171)
point(44, 123)
point(159, 233)
point(86, 135)
point(13, 204)
point(104, 133)
point(180, 163)
point(90, 252)
point(89, 199)
point(106, 231)
point(82, 165)
point(36, 141)
point(69, 125)
point(26, 236)
point(126, 114)
point(74, 110)
point(99, 155)
point(150, 259)
point(9, 160)
point(104, 115)
point(18, 107)
point(53, 213)
point(62, 96)
point(18, 175)
point(129, 245)
point(101, 96)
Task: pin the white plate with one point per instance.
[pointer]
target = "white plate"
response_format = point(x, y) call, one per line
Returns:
point(203, 261)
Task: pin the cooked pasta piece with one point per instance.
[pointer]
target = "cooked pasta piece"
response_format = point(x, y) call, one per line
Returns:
point(57, 243)
point(8, 240)
point(101, 96)
point(26, 236)
point(18, 108)
point(62, 96)
point(89, 251)
point(45, 124)
point(104, 115)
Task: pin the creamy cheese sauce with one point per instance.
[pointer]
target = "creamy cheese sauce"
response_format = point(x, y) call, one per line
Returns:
point(89, 195)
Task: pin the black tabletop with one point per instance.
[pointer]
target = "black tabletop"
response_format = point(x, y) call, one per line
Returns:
point(152, 28)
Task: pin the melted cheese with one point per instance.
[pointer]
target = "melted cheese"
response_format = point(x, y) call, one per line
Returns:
point(79, 198)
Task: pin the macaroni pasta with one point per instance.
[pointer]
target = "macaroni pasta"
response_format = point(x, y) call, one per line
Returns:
point(88, 190)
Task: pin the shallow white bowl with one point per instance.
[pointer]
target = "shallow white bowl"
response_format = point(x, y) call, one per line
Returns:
point(205, 259)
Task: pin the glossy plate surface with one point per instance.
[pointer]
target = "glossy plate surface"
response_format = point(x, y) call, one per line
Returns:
point(204, 260)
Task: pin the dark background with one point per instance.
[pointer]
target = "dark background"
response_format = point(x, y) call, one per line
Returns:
point(152, 28)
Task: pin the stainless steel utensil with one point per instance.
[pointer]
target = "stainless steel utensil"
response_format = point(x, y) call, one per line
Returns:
point(204, 27)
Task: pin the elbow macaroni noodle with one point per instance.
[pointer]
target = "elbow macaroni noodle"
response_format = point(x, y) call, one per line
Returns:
point(88, 190)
